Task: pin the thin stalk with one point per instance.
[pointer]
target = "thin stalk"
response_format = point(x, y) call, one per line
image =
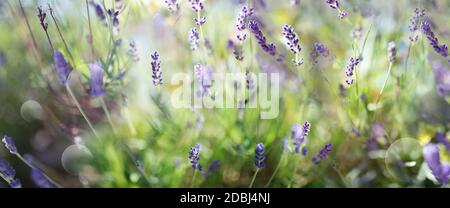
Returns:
point(253, 179)
point(24, 14)
point(193, 179)
point(130, 123)
point(276, 169)
point(402, 80)
point(69, 90)
point(384, 84)
point(91, 38)
point(33, 167)
point(108, 115)
point(61, 35)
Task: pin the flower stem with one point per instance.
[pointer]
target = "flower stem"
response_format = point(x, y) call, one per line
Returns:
point(384, 84)
point(108, 115)
point(69, 90)
point(253, 179)
point(61, 35)
point(276, 170)
point(193, 179)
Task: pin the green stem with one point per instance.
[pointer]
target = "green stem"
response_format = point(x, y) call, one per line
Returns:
point(384, 84)
point(276, 170)
point(253, 179)
point(108, 115)
point(61, 35)
point(69, 90)
point(193, 179)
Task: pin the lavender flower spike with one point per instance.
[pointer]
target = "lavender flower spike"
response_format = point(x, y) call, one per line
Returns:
point(414, 23)
point(194, 157)
point(156, 69)
point(268, 48)
point(334, 4)
point(434, 42)
point(291, 39)
point(260, 156)
point(9, 144)
point(242, 21)
point(323, 153)
point(62, 67)
point(172, 5)
point(299, 135)
point(8, 173)
point(97, 87)
point(440, 171)
point(392, 51)
point(194, 38)
point(350, 68)
point(99, 12)
point(204, 77)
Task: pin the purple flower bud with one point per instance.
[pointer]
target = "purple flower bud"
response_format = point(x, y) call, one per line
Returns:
point(433, 40)
point(320, 50)
point(9, 144)
point(392, 51)
point(173, 6)
point(268, 48)
point(197, 5)
point(194, 38)
point(204, 77)
point(334, 4)
point(97, 87)
point(8, 173)
point(350, 68)
point(194, 157)
point(41, 16)
point(242, 21)
point(40, 179)
point(114, 17)
point(156, 69)
point(200, 21)
point(291, 39)
point(260, 156)
point(99, 12)
point(323, 153)
point(414, 23)
point(299, 135)
point(440, 171)
point(63, 68)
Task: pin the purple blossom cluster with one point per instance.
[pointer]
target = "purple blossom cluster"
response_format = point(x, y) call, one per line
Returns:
point(323, 153)
point(194, 157)
point(334, 4)
point(392, 51)
point(319, 50)
point(97, 86)
point(350, 68)
point(156, 69)
point(299, 134)
point(255, 29)
point(62, 67)
point(242, 22)
point(204, 77)
point(172, 5)
point(8, 173)
point(414, 23)
point(194, 38)
point(442, 79)
point(433, 40)
point(260, 156)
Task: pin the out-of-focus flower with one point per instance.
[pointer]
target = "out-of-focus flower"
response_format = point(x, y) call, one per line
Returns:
point(414, 23)
point(442, 79)
point(97, 87)
point(197, 5)
point(320, 50)
point(255, 29)
point(323, 153)
point(194, 157)
point(356, 32)
point(156, 69)
point(442, 138)
point(204, 77)
point(99, 12)
point(9, 144)
point(62, 67)
point(2, 58)
point(260, 156)
point(392, 51)
point(40, 179)
point(433, 40)
point(194, 38)
point(114, 17)
point(295, 2)
point(133, 52)
point(299, 134)
point(212, 168)
point(441, 171)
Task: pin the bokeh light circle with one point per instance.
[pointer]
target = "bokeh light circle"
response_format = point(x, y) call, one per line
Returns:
point(75, 158)
point(31, 110)
point(403, 159)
